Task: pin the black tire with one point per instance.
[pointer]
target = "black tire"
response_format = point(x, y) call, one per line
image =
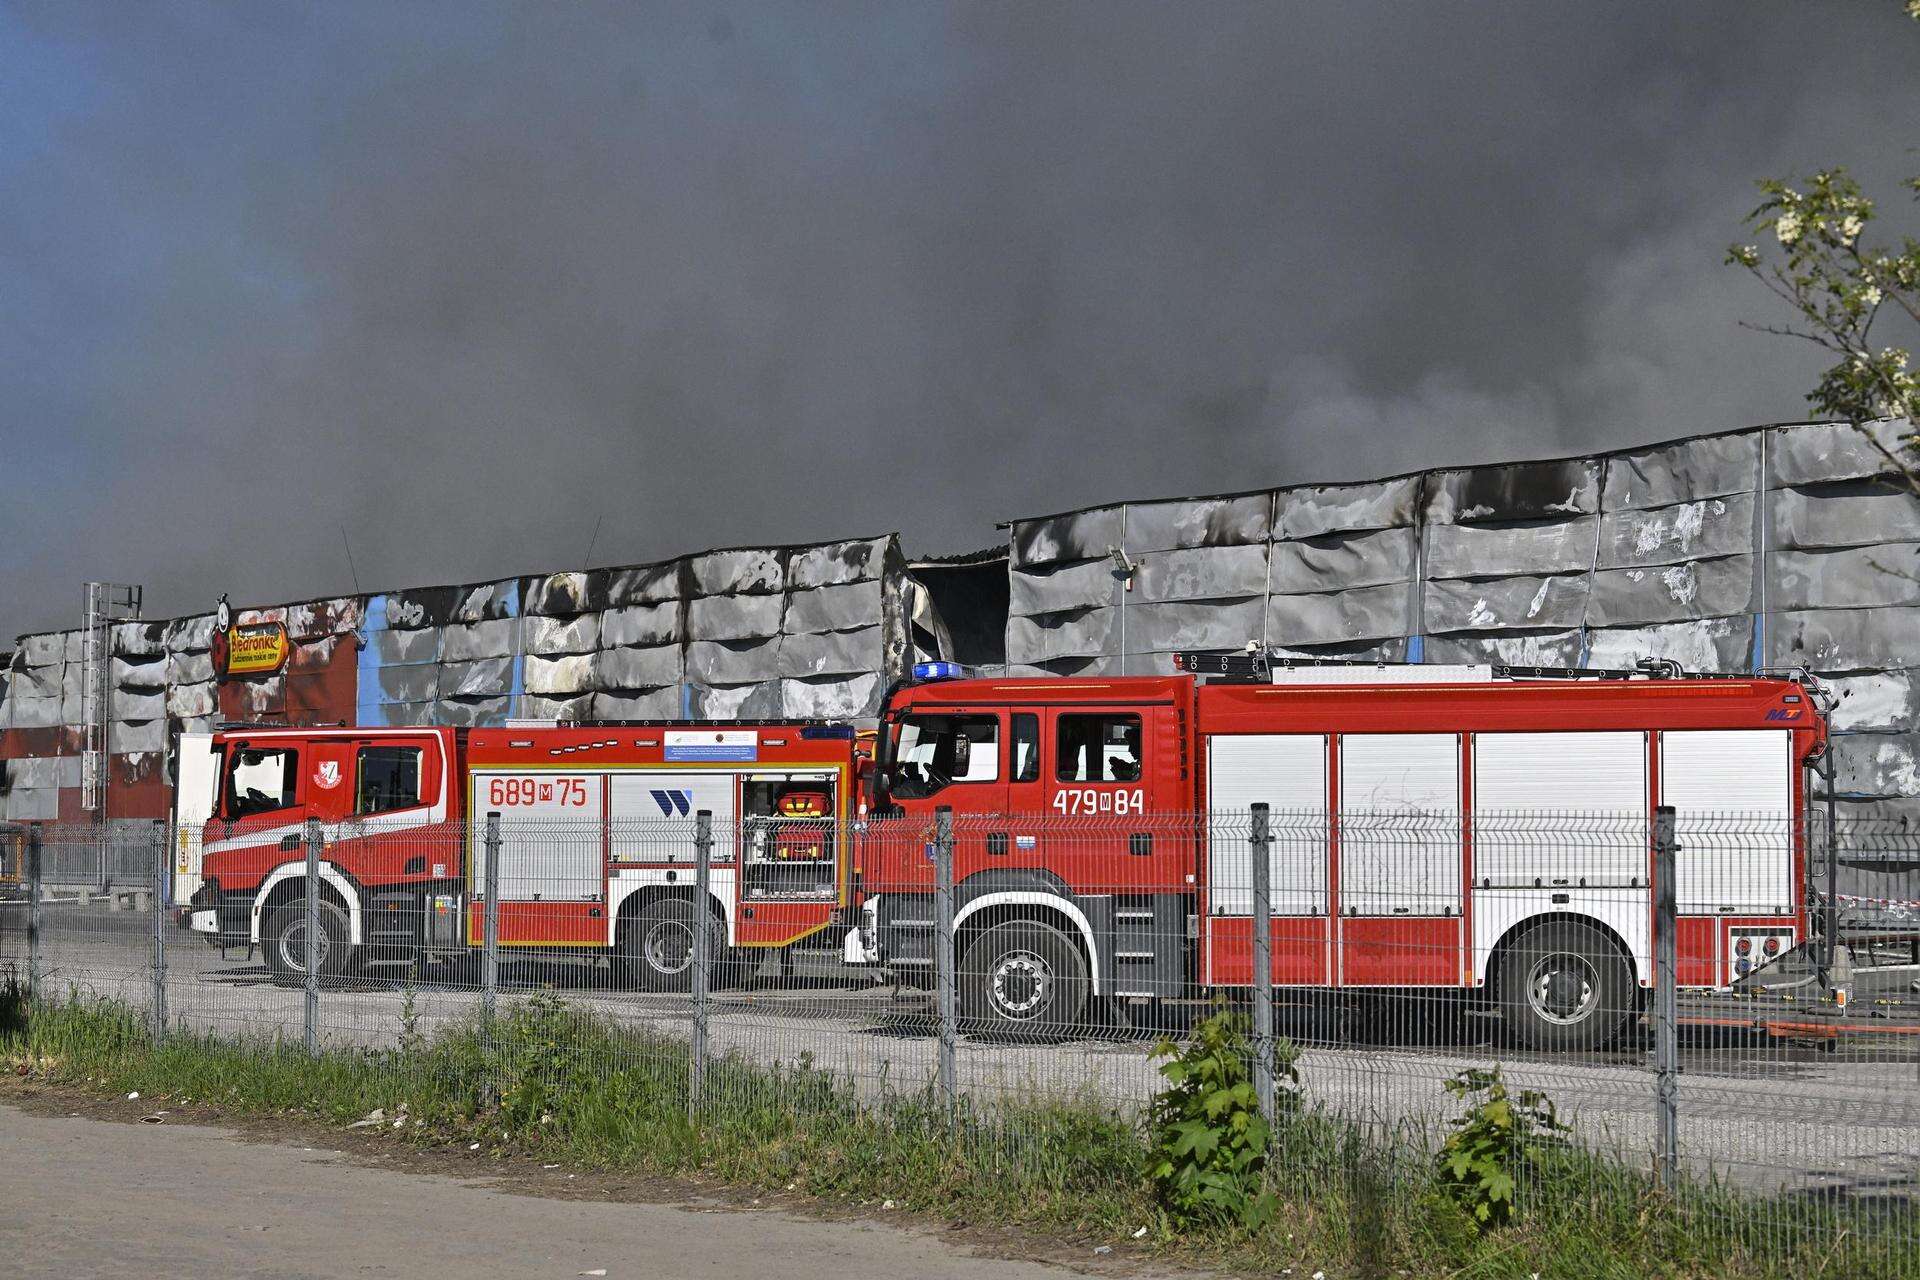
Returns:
point(1564, 986)
point(656, 946)
point(737, 966)
point(1404, 1018)
point(1023, 981)
point(465, 969)
point(284, 939)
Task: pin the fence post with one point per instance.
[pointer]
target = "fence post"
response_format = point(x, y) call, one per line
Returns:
point(702, 958)
point(1830, 912)
point(33, 914)
point(162, 867)
point(1666, 1025)
point(1260, 839)
point(313, 938)
point(490, 925)
point(943, 957)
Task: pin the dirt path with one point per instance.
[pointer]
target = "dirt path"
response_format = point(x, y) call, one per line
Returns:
point(82, 1196)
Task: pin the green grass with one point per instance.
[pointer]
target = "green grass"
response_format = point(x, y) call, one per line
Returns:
point(557, 1082)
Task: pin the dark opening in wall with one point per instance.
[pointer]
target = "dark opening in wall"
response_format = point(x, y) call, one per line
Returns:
point(970, 595)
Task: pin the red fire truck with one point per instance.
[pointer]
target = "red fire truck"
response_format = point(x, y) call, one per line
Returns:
point(1479, 829)
point(1472, 829)
point(597, 842)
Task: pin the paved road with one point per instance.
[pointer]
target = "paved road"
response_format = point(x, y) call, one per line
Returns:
point(1765, 1113)
point(82, 1198)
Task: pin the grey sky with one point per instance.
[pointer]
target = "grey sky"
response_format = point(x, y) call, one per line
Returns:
point(465, 279)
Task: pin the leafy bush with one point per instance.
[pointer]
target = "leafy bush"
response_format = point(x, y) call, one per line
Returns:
point(1209, 1143)
point(1496, 1142)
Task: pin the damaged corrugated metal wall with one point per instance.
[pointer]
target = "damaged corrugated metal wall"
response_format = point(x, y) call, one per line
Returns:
point(814, 631)
point(1767, 546)
point(1773, 546)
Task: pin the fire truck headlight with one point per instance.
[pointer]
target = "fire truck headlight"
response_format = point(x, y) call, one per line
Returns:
point(1772, 946)
point(1744, 946)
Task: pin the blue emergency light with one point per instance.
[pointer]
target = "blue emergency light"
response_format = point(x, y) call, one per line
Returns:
point(938, 671)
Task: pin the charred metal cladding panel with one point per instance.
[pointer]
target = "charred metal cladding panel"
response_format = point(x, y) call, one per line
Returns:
point(1776, 546)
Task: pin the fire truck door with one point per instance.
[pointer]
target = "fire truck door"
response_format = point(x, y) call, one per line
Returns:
point(263, 786)
point(1098, 781)
point(330, 780)
point(956, 758)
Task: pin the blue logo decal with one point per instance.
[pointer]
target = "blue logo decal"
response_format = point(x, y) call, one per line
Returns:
point(674, 802)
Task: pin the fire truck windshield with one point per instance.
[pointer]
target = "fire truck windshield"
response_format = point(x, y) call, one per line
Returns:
point(932, 752)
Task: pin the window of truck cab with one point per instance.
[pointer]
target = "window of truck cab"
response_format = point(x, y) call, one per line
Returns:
point(260, 779)
point(933, 751)
point(1099, 747)
point(386, 778)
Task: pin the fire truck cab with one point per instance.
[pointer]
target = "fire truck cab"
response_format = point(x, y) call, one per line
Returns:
point(1485, 830)
point(597, 828)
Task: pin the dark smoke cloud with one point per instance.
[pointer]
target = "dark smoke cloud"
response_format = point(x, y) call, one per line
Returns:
point(467, 280)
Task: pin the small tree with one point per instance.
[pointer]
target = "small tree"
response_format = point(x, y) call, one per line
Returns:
point(1496, 1142)
point(1208, 1142)
point(1810, 250)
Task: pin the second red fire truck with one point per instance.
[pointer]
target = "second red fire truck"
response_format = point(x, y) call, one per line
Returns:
point(1472, 829)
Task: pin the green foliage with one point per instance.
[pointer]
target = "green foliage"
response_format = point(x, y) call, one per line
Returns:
point(411, 1041)
point(1208, 1142)
point(547, 1081)
point(1495, 1144)
point(1810, 250)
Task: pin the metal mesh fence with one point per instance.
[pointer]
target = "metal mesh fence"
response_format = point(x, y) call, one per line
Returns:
point(1696, 1006)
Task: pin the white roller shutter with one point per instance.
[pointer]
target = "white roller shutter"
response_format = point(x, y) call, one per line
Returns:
point(1732, 794)
point(652, 814)
point(1560, 809)
point(1288, 772)
point(1400, 824)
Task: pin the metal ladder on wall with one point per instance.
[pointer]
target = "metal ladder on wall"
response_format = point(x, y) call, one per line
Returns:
point(106, 604)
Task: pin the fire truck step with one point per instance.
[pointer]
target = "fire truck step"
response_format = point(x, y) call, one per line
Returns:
point(1150, 943)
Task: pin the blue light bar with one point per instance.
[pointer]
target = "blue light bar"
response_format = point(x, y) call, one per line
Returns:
point(819, 731)
point(938, 671)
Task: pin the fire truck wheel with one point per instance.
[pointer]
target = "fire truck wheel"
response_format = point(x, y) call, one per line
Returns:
point(284, 939)
point(656, 946)
point(1023, 981)
point(1564, 985)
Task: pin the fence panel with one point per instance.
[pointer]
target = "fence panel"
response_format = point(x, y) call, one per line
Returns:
point(1011, 978)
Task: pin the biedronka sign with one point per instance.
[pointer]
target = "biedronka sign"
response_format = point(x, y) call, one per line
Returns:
point(257, 649)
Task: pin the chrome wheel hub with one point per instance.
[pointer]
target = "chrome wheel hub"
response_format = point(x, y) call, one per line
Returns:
point(669, 946)
point(1562, 988)
point(1022, 984)
point(293, 947)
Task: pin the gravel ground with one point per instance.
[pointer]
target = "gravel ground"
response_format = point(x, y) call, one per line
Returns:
point(91, 1197)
